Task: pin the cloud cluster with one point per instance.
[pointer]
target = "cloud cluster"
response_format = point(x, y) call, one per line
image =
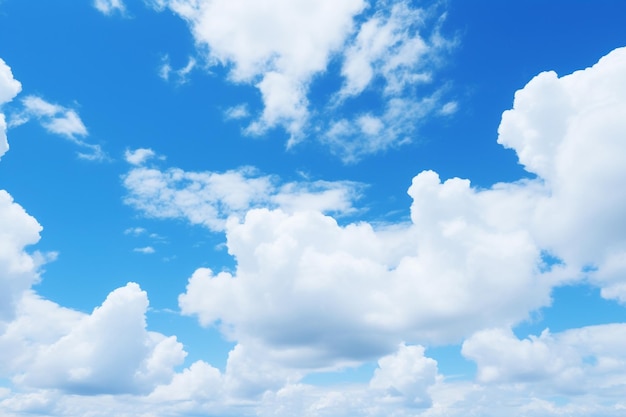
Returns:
point(569, 132)
point(314, 295)
point(47, 349)
point(106, 352)
point(277, 46)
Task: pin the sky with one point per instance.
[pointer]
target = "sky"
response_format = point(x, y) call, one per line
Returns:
point(312, 208)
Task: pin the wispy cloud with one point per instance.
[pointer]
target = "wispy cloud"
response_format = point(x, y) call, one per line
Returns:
point(108, 7)
point(58, 120)
point(179, 76)
point(146, 250)
point(400, 45)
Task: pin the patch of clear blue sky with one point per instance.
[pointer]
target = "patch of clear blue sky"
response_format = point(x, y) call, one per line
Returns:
point(106, 68)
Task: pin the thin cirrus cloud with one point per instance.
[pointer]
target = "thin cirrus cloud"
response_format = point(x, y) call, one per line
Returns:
point(281, 57)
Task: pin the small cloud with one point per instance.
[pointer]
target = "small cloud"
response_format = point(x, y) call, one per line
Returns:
point(53, 117)
point(145, 250)
point(237, 112)
point(165, 69)
point(108, 7)
point(135, 231)
point(179, 76)
point(449, 108)
point(139, 156)
point(58, 120)
point(96, 154)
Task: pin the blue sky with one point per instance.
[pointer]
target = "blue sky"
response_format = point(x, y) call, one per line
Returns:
point(314, 208)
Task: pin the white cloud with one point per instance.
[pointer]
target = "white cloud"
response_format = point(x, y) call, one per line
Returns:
point(237, 112)
point(389, 45)
point(54, 118)
point(9, 88)
point(58, 120)
point(199, 382)
point(139, 156)
point(18, 268)
point(353, 138)
point(576, 361)
point(569, 131)
point(275, 45)
point(146, 250)
point(108, 7)
point(317, 294)
point(449, 108)
point(135, 231)
point(406, 375)
point(362, 290)
point(109, 351)
point(210, 198)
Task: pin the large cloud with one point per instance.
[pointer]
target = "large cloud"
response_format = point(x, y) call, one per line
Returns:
point(106, 352)
point(18, 268)
point(570, 132)
point(322, 293)
point(305, 283)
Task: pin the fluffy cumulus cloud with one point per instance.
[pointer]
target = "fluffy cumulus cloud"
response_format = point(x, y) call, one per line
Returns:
point(277, 47)
point(406, 375)
point(109, 6)
point(57, 358)
point(108, 351)
point(569, 131)
point(427, 281)
point(576, 361)
point(9, 88)
point(18, 230)
point(47, 349)
point(313, 294)
point(210, 198)
point(310, 295)
point(18, 268)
